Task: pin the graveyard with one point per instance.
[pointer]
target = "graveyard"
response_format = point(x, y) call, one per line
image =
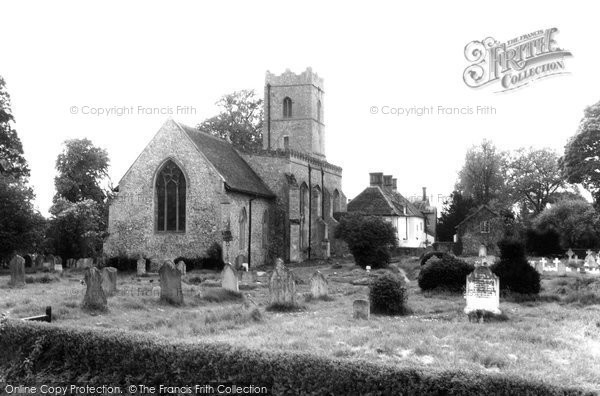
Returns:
point(552, 338)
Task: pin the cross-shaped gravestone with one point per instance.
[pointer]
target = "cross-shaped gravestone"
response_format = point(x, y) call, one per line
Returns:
point(532, 263)
point(570, 254)
point(543, 261)
point(556, 262)
point(588, 252)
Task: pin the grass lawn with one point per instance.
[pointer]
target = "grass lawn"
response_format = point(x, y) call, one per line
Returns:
point(554, 338)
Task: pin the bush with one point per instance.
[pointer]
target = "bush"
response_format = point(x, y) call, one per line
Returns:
point(515, 273)
point(387, 295)
point(213, 259)
point(448, 273)
point(457, 248)
point(429, 255)
point(53, 354)
point(369, 238)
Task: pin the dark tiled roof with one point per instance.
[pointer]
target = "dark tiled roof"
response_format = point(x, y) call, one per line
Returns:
point(482, 207)
point(376, 201)
point(238, 175)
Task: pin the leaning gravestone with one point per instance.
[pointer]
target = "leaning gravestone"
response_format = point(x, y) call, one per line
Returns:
point(17, 271)
point(109, 280)
point(229, 278)
point(318, 285)
point(94, 298)
point(170, 283)
point(141, 266)
point(181, 267)
point(483, 291)
point(361, 309)
point(282, 286)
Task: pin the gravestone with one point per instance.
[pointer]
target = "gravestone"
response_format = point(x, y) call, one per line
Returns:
point(590, 260)
point(483, 291)
point(368, 268)
point(532, 263)
point(570, 255)
point(94, 298)
point(17, 271)
point(48, 262)
point(239, 260)
point(318, 285)
point(181, 267)
point(229, 278)
point(539, 266)
point(155, 265)
point(109, 280)
point(39, 261)
point(58, 260)
point(561, 269)
point(71, 263)
point(282, 286)
point(247, 277)
point(170, 283)
point(141, 266)
point(58, 268)
point(361, 309)
point(85, 263)
point(482, 251)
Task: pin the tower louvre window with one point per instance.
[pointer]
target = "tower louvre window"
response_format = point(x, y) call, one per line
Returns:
point(287, 107)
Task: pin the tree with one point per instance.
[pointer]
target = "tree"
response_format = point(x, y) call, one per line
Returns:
point(12, 161)
point(481, 176)
point(76, 229)
point(581, 161)
point(240, 120)
point(81, 167)
point(456, 208)
point(575, 221)
point(21, 227)
point(368, 238)
point(533, 176)
point(515, 273)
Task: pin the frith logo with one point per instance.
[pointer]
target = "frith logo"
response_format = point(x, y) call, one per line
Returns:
point(516, 62)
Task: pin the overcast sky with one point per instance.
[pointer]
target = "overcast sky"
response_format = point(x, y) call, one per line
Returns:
point(57, 55)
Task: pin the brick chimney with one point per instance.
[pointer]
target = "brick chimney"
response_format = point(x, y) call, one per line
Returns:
point(376, 179)
point(387, 182)
point(394, 184)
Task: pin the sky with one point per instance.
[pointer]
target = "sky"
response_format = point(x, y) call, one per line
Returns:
point(64, 60)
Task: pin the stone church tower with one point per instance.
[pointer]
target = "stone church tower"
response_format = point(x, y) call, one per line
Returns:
point(294, 113)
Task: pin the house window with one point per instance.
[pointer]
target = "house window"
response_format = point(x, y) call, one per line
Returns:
point(287, 107)
point(243, 221)
point(170, 198)
point(484, 227)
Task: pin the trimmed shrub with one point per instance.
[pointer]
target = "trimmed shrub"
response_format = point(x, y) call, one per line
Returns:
point(46, 353)
point(387, 295)
point(369, 238)
point(429, 255)
point(448, 273)
point(515, 273)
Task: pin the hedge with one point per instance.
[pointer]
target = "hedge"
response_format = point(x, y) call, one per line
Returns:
point(118, 358)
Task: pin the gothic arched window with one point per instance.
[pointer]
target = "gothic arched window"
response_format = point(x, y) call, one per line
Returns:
point(287, 107)
point(243, 220)
point(304, 215)
point(170, 198)
point(336, 201)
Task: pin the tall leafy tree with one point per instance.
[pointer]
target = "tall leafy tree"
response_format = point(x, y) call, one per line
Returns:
point(12, 161)
point(456, 208)
point(581, 161)
point(481, 176)
point(533, 177)
point(81, 168)
point(240, 120)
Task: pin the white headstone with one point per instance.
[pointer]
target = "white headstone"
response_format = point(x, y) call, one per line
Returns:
point(229, 278)
point(483, 291)
point(58, 268)
point(141, 266)
point(368, 268)
point(245, 266)
point(590, 260)
point(570, 254)
point(482, 251)
point(561, 269)
point(181, 267)
point(361, 309)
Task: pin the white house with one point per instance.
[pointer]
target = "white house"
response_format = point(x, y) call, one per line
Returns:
point(382, 199)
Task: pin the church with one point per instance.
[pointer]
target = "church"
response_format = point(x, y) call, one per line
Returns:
point(188, 190)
